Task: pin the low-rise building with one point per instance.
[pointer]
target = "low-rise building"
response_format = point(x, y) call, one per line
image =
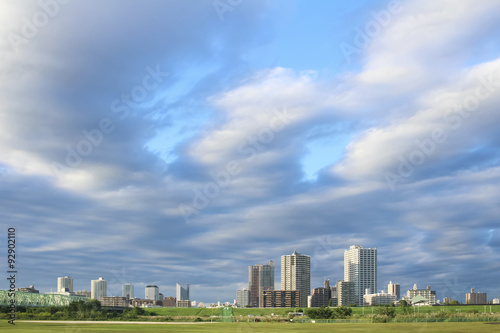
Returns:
point(170, 302)
point(427, 293)
point(184, 304)
point(146, 303)
point(346, 293)
point(115, 301)
point(30, 289)
point(83, 293)
point(379, 299)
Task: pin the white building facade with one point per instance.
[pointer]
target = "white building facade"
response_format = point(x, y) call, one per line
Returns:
point(98, 288)
point(394, 289)
point(64, 284)
point(152, 292)
point(360, 267)
point(379, 298)
point(182, 292)
point(243, 297)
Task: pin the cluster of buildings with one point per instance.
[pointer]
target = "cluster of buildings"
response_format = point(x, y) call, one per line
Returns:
point(99, 287)
point(359, 287)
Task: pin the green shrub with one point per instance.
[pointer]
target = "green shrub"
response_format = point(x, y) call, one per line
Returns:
point(341, 312)
point(387, 311)
point(380, 319)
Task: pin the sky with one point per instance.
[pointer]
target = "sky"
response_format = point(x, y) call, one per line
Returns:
point(164, 142)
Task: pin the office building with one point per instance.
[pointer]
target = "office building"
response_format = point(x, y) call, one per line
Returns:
point(475, 298)
point(360, 267)
point(379, 299)
point(182, 291)
point(495, 301)
point(98, 288)
point(394, 289)
point(427, 296)
point(152, 293)
point(346, 293)
point(64, 284)
point(260, 278)
point(128, 291)
point(280, 298)
point(296, 275)
point(243, 298)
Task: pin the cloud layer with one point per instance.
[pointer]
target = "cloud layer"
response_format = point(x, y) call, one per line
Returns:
point(139, 143)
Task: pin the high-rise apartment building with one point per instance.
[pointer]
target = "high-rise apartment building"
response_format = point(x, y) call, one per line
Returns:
point(320, 296)
point(243, 297)
point(64, 284)
point(98, 288)
point(128, 291)
point(182, 293)
point(280, 298)
point(260, 278)
point(346, 293)
point(360, 267)
point(475, 298)
point(152, 293)
point(394, 289)
point(296, 275)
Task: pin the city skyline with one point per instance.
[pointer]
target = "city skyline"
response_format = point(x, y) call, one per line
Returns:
point(365, 259)
point(172, 141)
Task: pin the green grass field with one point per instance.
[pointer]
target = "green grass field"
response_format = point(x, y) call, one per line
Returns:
point(206, 312)
point(249, 327)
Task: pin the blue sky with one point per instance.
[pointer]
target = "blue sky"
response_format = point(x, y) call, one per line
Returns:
point(164, 142)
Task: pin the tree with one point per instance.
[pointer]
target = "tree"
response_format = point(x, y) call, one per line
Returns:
point(321, 313)
point(341, 312)
point(93, 304)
